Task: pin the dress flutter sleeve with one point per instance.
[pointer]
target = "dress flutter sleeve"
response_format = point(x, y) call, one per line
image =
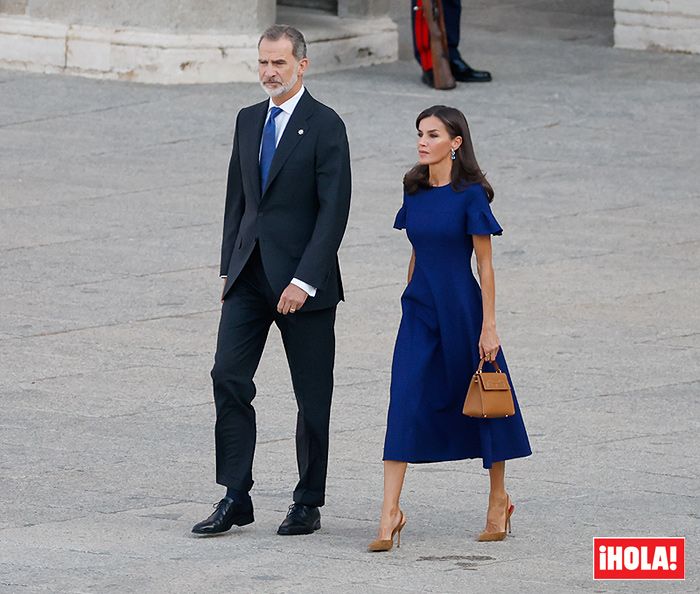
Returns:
point(480, 219)
point(400, 220)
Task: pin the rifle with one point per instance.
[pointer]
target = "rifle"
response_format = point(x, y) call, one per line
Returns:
point(442, 74)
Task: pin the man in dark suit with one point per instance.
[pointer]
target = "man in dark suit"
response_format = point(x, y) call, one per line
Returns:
point(452, 14)
point(287, 205)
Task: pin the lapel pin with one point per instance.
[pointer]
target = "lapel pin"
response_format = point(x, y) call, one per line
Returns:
point(300, 132)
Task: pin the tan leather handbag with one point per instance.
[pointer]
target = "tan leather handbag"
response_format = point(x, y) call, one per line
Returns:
point(489, 395)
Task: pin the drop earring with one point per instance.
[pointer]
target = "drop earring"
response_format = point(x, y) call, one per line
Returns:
point(453, 154)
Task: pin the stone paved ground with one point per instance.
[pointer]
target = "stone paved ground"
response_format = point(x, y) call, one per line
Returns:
point(111, 200)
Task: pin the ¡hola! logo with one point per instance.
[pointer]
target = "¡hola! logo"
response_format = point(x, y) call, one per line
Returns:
point(639, 558)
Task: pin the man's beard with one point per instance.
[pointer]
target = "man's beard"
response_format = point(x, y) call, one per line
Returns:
point(283, 88)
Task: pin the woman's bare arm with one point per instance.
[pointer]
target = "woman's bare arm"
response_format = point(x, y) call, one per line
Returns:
point(411, 266)
point(489, 342)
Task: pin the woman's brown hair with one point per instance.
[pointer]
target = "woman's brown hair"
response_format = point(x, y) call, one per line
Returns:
point(465, 169)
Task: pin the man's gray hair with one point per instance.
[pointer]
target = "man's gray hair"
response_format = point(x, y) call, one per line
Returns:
point(276, 32)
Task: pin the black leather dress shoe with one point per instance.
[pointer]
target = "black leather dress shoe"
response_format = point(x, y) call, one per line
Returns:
point(226, 513)
point(463, 72)
point(301, 519)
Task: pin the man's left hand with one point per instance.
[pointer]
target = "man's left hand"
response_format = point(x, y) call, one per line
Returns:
point(291, 300)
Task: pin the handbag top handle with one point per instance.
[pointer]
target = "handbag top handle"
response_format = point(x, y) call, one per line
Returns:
point(481, 366)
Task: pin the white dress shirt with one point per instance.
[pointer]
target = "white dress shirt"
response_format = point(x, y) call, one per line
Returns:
point(282, 119)
point(281, 122)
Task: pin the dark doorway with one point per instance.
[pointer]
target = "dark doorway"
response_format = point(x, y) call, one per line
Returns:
point(325, 5)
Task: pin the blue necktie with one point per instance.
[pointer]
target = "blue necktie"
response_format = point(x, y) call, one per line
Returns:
point(269, 144)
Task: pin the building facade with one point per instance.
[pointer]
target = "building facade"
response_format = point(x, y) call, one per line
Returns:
point(669, 25)
point(188, 41)
point(208, 41)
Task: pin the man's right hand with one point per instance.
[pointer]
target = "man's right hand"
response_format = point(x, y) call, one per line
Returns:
point(222, 289)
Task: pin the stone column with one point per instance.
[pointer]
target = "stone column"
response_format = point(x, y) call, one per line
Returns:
point(672, 25)
point(165, 16)
point(182, 41)
point(159, 41)
point(363, 8)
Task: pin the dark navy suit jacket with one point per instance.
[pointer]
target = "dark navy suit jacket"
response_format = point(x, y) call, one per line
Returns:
point(299, 218)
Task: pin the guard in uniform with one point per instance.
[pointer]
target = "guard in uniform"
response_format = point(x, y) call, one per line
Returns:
point(452, 11)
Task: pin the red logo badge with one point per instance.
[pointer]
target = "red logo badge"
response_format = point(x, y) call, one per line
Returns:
point(639, 558)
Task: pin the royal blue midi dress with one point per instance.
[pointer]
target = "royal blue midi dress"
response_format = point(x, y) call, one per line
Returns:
point(437, 347)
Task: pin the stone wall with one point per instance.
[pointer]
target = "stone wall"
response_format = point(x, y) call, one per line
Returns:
point(672, 25)
point(182, 41)
point(165, 16)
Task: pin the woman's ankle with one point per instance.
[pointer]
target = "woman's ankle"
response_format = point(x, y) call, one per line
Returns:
point(390, 510)
point(500, 495)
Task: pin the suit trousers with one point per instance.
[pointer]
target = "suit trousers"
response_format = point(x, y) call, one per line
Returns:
point(247, 313)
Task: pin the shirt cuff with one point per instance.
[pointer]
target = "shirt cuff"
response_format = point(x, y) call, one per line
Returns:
point(302, 285)
point(222, 276)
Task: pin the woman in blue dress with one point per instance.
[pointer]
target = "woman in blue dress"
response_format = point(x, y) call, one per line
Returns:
point(448, 325)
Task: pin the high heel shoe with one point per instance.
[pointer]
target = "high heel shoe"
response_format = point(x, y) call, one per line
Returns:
point(381, 545)
point(494, 536)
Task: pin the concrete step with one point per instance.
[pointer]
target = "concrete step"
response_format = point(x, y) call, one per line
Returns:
point(149, 56)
